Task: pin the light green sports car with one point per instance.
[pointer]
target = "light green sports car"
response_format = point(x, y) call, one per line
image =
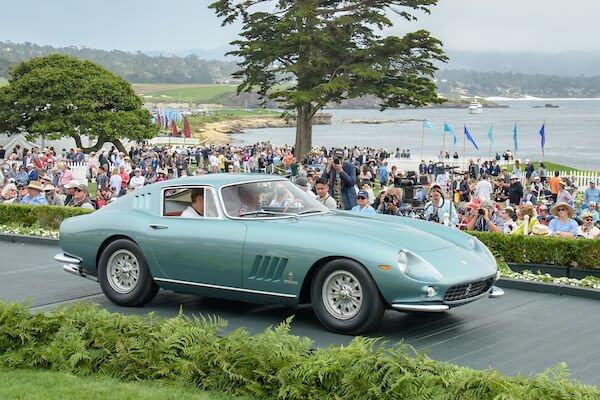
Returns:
point(260, 238)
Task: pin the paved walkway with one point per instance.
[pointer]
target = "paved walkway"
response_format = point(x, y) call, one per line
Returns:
point(522, 332)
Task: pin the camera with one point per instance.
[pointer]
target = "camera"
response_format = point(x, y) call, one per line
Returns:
point(481, 211)
point(433, 218)
point(337, 161)
point(388, 199)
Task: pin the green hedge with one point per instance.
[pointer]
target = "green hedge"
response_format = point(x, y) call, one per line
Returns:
point(86, 340)
point(43, 216)
point(582, 253)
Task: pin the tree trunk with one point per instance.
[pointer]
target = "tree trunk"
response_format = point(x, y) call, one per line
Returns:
point(303, 131)
point(98, 144)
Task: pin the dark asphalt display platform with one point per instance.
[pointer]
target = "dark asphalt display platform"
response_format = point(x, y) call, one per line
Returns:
point(521, 333)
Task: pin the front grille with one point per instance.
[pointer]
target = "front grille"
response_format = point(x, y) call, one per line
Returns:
point(467, 290)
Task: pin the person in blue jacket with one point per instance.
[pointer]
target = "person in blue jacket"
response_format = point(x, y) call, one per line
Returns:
point(341, 175)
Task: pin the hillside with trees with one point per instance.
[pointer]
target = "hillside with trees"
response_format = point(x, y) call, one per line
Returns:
point(474, 79)
point(134, 67)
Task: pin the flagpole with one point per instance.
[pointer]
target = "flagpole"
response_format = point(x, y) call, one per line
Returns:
point(516, 135)
point(422, 137)
point(464, 147)
point(490, 152)
point(444, 145)
point(544, 125)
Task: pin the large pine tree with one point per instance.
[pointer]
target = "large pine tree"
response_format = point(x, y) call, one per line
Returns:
point(307, 53)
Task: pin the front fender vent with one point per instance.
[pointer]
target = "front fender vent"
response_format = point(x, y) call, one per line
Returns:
point(268, 268)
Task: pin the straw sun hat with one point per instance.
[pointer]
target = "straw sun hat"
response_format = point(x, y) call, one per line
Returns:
point(554, 210)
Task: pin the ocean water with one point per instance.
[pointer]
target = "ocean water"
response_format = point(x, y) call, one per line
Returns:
point(572, 131)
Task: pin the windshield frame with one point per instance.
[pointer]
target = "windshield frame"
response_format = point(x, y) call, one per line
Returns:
point(306, 198)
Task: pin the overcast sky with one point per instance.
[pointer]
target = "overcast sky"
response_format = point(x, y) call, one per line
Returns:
point(490, 25)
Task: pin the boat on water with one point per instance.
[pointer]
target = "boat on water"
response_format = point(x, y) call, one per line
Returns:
point(475, 107)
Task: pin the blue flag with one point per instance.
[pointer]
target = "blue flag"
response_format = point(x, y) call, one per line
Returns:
point(470, 138)
point(427, 124)
point(491, 136)
point(448, 129)
point(543, 134)
point(515, 139)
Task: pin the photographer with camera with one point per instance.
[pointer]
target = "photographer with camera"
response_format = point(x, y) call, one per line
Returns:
point(486, 219)
point(438, 209)
point(341, 175)
point(388, 202)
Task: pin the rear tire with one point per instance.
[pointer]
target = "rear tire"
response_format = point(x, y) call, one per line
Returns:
point(345, 298)
point(124, 275)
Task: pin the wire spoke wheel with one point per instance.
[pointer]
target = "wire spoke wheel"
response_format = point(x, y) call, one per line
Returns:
point(123, 271)
point(342, 295)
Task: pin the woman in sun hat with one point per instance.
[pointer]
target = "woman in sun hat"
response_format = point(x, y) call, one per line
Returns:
point(563, 225)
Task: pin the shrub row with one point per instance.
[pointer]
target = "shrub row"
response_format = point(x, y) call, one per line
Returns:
point(582, 253)
point(86, 340)
point(42, 216)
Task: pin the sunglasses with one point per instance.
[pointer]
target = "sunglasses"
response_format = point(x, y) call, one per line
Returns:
point(361, 197)
point(561, 209)
point(77, 190)
point(588, 219)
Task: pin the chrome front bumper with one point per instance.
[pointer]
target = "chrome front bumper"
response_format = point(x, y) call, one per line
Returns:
point(71, 265)
point(494, 292)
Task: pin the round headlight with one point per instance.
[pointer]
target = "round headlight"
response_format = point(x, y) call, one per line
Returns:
point(402, 261)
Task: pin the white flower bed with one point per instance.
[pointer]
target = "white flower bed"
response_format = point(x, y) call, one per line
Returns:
point(29, 231)
point(588, 281)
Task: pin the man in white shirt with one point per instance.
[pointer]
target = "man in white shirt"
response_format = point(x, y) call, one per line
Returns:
point(137, 180)
point(483, 190)
point(196, 210)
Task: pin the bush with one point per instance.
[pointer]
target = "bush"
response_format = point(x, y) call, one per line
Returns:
point(86, 340)
point(42, 216)
point(521, 249)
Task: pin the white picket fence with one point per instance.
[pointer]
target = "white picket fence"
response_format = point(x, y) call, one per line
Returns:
point(80, 171)
point(582, 178)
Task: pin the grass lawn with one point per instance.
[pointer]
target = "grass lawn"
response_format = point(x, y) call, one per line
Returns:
point(195, 94)
point(48, 385)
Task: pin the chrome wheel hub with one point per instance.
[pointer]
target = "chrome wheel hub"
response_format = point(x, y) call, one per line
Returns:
point(342, 295)
point(123, 271)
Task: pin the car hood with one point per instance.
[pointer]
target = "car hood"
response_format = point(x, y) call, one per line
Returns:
point(400, 232)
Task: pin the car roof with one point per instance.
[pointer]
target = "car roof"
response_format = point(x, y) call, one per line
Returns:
point(222, 179)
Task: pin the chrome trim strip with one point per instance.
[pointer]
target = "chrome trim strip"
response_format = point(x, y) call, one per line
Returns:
point(62, 258)
point(496, 292)
point(206, 285)
point(419, 307)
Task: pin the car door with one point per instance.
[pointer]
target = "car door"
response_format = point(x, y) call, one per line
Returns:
point(206, 250)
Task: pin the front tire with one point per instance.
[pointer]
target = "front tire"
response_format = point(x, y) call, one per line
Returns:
point(345, 298)
point(124, 275)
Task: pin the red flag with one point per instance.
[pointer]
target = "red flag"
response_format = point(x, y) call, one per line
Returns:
point(158, 121)
point(186, 128)
point(173, 129)
point(166, 122)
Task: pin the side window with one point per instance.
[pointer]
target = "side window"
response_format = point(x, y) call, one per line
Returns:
point(178, 202)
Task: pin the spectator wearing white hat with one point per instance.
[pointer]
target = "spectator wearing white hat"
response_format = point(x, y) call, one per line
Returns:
point(438, 209)
point(81, 197)
point(69, 190)
point(137, 180)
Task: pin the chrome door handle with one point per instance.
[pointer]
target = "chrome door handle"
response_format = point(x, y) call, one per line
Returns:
point(158, 226)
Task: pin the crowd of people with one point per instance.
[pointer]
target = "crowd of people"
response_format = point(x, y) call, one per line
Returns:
point(509, 198)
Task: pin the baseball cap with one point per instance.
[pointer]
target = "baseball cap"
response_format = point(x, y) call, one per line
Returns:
point(362, 193)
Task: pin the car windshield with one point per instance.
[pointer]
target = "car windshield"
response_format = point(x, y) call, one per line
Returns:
point(269, 199)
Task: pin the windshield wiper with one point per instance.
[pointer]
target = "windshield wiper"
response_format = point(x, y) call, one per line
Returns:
point(310, 211)
point(261, 212)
